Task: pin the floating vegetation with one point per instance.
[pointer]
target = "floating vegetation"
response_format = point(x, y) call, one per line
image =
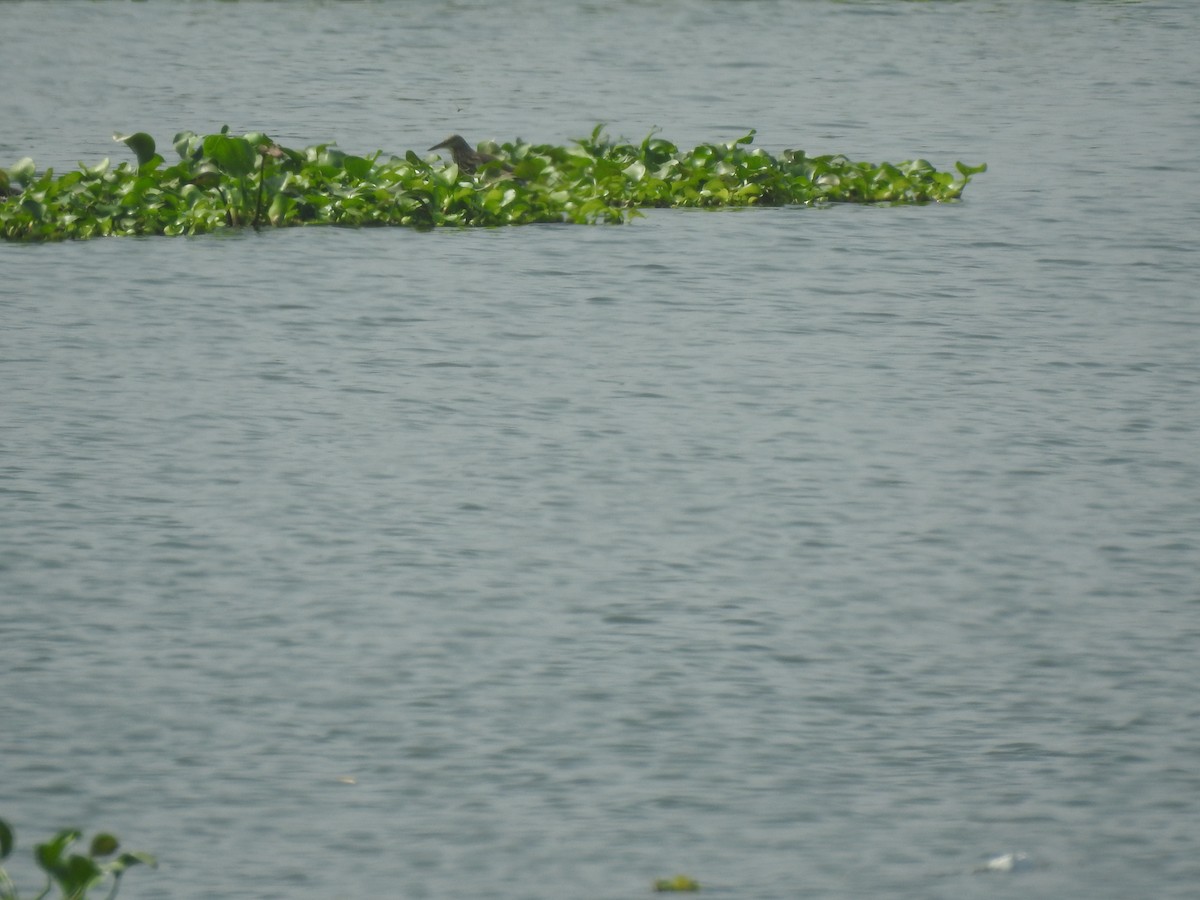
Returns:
point(227, 181)
point(681, 883)
point(74, 873)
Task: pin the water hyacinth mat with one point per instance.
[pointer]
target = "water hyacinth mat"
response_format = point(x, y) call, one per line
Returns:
point(224, 181)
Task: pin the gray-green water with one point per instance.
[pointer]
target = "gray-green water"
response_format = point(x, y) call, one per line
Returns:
point(815, 553)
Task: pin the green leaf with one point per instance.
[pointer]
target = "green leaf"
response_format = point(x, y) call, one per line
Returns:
point(188, 145)
point(235, 156)
point(257, 137)
point(7, 839)
point(23, 170)
point(79, 874)
point(98, 169)
point(104, 844)
point(635, 171)
point(280, 206)
point(331, 157)
point(357, 167)
point(680, 883)
point(125, 860)
point(207, 175)
point(49, 855)
point(140, 143)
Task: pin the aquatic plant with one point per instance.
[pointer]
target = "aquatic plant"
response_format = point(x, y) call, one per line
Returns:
point(680, 883)
point(74, 873)
point(228, 181)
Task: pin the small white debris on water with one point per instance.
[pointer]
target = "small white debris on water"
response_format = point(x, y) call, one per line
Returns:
point(347, 779)
point(1007, 862)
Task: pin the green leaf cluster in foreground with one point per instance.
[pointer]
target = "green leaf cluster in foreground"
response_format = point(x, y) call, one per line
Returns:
point(228, 181)
point(74, 873)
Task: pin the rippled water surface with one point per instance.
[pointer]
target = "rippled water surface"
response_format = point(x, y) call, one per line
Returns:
point(819, 553)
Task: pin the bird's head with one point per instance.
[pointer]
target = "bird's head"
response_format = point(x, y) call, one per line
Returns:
point(456, 143)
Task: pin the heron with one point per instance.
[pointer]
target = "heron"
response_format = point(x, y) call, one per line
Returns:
point(467, 158)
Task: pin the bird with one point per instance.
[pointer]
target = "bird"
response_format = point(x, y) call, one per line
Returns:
point(468, 160)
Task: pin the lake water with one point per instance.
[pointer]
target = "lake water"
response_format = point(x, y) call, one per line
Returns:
point(809, 552)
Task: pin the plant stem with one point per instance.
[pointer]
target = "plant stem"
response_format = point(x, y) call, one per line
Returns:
point(262, 176)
